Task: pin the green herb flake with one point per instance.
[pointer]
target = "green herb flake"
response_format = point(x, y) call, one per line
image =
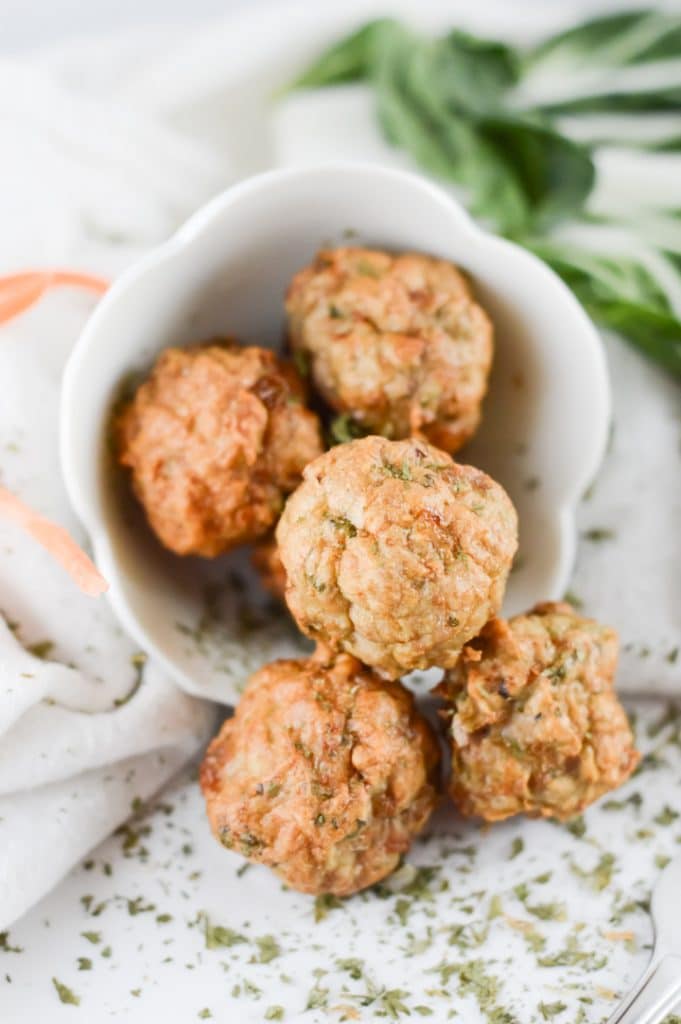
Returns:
point(324, 904)
point(138, 906)
point(547, 911)
point(517, 847)
point(344, 525)
point(84, 963)
point(597, 534)
point(219, 937)
point(268, 949)
point(634, 800)
point(392, 1002)
point(367, 269)
point(138, 661)
point(43, 649)
point(402, 472)
point(550, 1010)
point(66, 995)
point(572, 956)
point(352, 966)
point(667, 816)
point(402, 908)
point(577, 827)
point(344, 428)
point(598, 878)
point(301, 360)
point(496, 908)
point(6, 946)
point(93, 937)
point(274, 1013)
point(317, 998)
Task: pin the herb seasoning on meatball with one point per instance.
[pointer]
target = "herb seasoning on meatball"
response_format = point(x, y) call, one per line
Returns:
point(395, 553)
point(396, 341)
point(325, 773)
point(215, 438)
point(536, 725)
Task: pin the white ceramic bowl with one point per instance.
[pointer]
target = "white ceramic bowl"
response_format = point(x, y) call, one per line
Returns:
point(545, 419)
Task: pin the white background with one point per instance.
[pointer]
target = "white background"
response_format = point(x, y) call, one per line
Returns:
point(28, 23)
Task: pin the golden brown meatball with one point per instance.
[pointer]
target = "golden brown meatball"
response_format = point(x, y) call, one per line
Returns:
point(395, 553)
point(325, 773)
point(536, 724)
point(267, 563)
point(215, 438)
point(397, 341)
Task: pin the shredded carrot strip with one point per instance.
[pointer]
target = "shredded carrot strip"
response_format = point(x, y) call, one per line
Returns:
point(19, 292)
point(56, 541)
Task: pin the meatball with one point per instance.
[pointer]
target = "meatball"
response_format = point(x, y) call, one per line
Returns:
point(536, 725)
point(394, 553)
point(397, 341)
point(267, 563)
point(215, 438)
point(325, 773)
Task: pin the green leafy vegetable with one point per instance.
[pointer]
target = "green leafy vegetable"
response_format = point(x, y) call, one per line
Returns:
point(620, 294)
point(600, 64)
point(490, 119)
point(617, 39)
point(346, 61)
point(467, 73)
point(554, 173)
point(516, 170)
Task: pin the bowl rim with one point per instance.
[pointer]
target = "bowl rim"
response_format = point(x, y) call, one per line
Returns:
point(86, 504)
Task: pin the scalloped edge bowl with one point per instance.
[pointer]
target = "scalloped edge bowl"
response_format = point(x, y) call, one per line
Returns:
point(545, 419)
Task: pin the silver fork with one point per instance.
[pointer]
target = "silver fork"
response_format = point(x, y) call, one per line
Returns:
point(658, 990)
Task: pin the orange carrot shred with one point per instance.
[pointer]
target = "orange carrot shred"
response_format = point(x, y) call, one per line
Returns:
point(19, 292)
point(57, 541)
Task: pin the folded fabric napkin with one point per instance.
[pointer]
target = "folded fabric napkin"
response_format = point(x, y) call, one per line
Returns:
point(87, 728)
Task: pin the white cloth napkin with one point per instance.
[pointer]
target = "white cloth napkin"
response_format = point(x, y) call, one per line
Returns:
point(86, 729)
point(106, 148)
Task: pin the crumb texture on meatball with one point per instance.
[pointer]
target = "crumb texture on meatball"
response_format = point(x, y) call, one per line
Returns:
point(396, 554)
point(397, 341)
point(215, 438)
point(325, 773)
point(536, 725)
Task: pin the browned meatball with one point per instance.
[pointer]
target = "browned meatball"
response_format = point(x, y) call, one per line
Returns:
point(536, 724)
point(267, 562)
point(325, 773)
point(395, 553)
point(397, 341)
point(215, 438)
